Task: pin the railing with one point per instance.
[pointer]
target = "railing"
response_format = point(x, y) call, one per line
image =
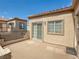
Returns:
point(13, 37)
point(1, 41)
point(4, 53)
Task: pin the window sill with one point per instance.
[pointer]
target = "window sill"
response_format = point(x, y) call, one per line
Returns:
point(51, 33)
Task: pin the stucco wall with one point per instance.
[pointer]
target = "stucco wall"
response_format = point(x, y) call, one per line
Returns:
point(9, 28)
point(76, 17)
point(16, 25)
point(67, 39)
point(12, 22)
point(3, 26)
point(77, 8)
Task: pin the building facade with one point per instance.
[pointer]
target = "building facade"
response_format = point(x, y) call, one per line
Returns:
point(3, 25)
point(14, 24)
point(54, 27)
point(76, 17)
point(58, 27)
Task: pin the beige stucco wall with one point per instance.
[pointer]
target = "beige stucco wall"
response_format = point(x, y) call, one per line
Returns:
point(76, 7)
point(15, 27)
point(67, 39)
point(76, 17)
point(9, 28)
point(77, 10)
point(3, 26)
point(12, 22)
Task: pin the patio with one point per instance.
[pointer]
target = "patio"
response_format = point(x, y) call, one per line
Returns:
point(36, 50)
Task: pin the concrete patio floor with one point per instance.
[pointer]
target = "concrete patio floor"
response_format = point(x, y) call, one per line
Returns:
point(36, 50)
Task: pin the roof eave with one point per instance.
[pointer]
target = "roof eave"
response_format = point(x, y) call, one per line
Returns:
point(52, 12)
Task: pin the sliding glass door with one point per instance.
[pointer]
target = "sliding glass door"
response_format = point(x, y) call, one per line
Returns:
point(37, 30)
point(34, 30)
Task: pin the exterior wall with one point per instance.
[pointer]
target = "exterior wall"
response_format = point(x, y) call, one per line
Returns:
point(76, 17)
point(76, 31)
point(65, 40)
point(12, 22)
point(3, 27)
point(9, 27)
point(76, 8)
point(16, 25)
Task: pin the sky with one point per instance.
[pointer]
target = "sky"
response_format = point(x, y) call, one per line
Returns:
point(25, 8)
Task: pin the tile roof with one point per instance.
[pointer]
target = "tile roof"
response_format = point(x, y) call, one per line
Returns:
point(52, 12)
point(3, 19)
point(55, 11)
point(17, 19)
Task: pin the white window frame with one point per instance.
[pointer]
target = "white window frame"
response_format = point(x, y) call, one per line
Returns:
point(62, 30)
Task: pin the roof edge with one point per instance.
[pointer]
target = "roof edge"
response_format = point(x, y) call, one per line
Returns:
point(52, 12)
point(17, 19)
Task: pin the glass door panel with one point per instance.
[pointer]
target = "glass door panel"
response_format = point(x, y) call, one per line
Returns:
point(37, 31)
point(34, 31)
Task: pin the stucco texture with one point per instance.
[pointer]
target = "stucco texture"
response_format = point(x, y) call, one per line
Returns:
point(68, 37)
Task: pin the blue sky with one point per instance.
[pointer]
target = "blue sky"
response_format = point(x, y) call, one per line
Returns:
point(24, 8)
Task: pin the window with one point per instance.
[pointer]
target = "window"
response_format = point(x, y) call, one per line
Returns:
point(55, 27)
point(21, 25)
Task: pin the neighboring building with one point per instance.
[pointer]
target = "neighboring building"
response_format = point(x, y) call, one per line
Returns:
point(17, 24)
point(14, 24)
point(3, 26)
point(56, 27)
